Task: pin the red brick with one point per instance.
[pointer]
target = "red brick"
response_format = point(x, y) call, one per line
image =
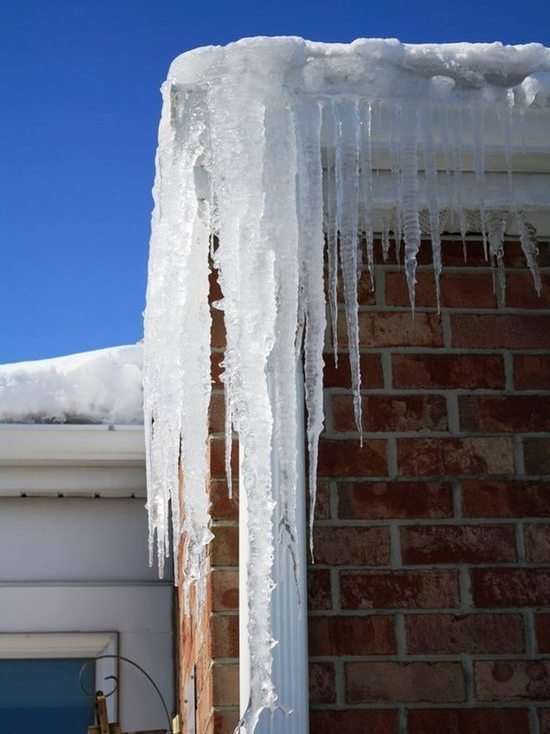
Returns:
point(388, 329)
point(217, 334)
point(394, 500)
point(404, 682)
point(455, 456)
point(448, 371)
point(224, 630)
point(468, 721)
point(351, 636)
point(318, 589)
point(366, 295)
point(216, 414)
point(339, 458)
point(354, 721)
point(371, 371)
point(506, 499)
point(225, 590)
point(452, 253)
point(504, 413)
point(458, 544)
point(225, 721)
point(480, 634)
point(537, 543)
point(399, 589)
point(216, 358)
point(224, 508)
point(537, 455)
point(511, 587)
point(512, 680)
point(322, 501)
point(544, 719)
point(504, 331)
point(392, 413)
point(351, 546)
point(521, 293)
point(225, 546)
point(532, 371)
point(226, 684)
point(458, 290)
point(542, 630)
point(514, 257)
point(322, 684)
point(217, 458)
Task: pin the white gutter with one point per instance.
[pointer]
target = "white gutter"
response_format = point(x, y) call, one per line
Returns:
point(289, 606)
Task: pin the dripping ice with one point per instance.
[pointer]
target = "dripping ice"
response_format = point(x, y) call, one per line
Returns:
point(277, 157)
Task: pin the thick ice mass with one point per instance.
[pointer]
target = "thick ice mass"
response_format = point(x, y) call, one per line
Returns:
point(266, 148)
point(103, 386)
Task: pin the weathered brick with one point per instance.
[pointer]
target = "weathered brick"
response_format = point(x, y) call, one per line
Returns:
point(318, 589)
point(512, 680)
point(504, 413)
point(468, 721)
point(458, 290)
point(340, 458)
point(404, 682)
point(455, 456)
point(354, 721)
point(510, 587)
point(223, 507)
point(438, 634)
point(394, 500)
point(226, 684)
point(537, 543)
point(392, 413)
point(351, 546)
point(371, 371)
point(216, 413)
point(351, 636)
point(399, 589)
point(503, 331)
point(224, 631)
point(388, 329)
point(532, 371)
point(322, 684)
point(506, 499)
point(458, 544)
point(217, 332)
point(225, 720)
point(521, 293)
point(448, 371)
point(542, 630)
point(217, 458)
point(537, 455)
point(225, 590)
point(225, 546)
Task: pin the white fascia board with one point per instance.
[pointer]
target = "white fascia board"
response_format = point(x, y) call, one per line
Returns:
point(72, 460)
point(71, 444)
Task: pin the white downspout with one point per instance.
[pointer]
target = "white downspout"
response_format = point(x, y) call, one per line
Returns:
point(289, 605)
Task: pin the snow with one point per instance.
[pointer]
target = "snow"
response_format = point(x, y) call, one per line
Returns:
point(264, 145)
point(103, 386)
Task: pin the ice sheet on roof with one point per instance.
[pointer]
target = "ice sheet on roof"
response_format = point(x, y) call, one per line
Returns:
point(103, 386)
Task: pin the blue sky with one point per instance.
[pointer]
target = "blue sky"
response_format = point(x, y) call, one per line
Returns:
point(80, 107)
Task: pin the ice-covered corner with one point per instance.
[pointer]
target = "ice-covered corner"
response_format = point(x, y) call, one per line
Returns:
point(388, 201)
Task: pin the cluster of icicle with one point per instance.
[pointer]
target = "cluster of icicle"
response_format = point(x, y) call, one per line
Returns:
point(266, 173)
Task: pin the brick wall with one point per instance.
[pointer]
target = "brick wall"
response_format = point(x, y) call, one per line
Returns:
point(427, 599)
point(430, 595)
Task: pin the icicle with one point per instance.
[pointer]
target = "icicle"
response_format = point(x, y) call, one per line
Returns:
point(395, 114)
point(347, 190)
point(385, 239)
point(496, 226)
point(365, 167)
point(409, 192)
point(478, 132)
point(430, 172)
point(331, 229)
point(310, 217)
point(528, 240)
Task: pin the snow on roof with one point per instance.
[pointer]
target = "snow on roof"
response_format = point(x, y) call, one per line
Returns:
point(102, 386)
